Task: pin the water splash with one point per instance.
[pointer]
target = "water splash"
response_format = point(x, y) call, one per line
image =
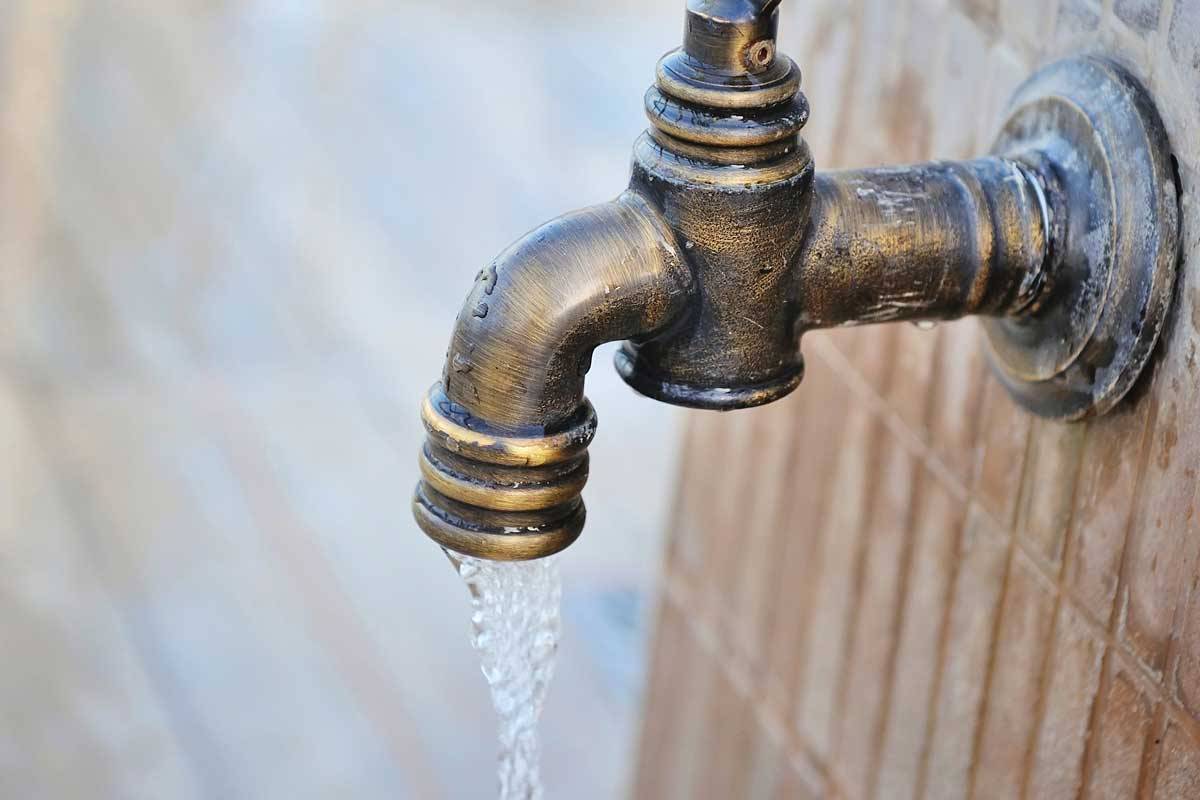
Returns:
point(515, 622)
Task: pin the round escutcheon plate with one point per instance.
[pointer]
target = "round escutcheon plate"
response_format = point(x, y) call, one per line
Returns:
point(1092, 132)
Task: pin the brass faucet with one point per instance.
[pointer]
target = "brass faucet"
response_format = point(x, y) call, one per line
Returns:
point(728, 246)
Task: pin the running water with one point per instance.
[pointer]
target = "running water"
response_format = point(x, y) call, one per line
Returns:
point(515, 622)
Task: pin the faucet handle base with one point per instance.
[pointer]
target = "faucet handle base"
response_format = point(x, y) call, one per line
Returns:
point(1091, 135)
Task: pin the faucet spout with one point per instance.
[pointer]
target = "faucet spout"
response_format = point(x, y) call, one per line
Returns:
point(508, 424)
point(729, 246)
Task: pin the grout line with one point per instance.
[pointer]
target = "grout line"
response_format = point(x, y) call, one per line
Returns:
point(849, 374)
point(931, 712)
point(1164, 687)
point(858, 385)
point(1175, 653)
point(790, 740)
point(915, 494)
point(989, 672)
point(679, 587)
point(899, 619)
point(1028, 758)
point(739, 528)
point(985, 702)
point(757, 588)
point(1103, 686)
point(1091, 736)
point(783, 541)
point(850, 84)
point(793, 689)
point(1151, 761)
point(1060, 589)
point(867, 525)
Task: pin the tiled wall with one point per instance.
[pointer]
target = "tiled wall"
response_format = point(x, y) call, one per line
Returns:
point(895, 584)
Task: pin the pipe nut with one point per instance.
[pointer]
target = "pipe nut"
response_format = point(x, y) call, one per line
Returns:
point(498, 495)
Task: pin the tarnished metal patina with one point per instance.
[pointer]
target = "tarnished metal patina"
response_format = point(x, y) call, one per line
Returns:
point(728, 247)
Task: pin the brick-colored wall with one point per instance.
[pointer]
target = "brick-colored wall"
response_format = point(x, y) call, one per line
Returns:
point(895, 584)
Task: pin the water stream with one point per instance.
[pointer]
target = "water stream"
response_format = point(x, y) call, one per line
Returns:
point(515, 628)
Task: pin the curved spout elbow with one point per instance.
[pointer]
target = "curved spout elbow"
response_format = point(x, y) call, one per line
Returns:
point(508, 424)
point(525, 335)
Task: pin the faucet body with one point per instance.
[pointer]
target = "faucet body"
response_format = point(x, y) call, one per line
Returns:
point(926, 242)
point(727, 247)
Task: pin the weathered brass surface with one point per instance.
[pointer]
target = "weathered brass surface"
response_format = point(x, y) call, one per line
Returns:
point(1092, 130)
point(508, 425)
point(728, 247)
point(497, 494)
point(924, 242)
point(525, 336)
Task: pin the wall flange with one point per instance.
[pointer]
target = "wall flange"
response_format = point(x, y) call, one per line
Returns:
point(1092, 134)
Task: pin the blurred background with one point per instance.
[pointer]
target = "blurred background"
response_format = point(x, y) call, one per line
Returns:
point(233, 240)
